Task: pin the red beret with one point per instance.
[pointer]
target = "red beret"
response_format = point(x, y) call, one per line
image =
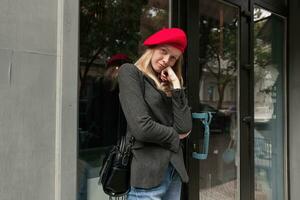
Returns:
point(117, 59)
point(171, 36)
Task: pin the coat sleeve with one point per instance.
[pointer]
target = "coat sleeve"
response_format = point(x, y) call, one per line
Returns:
point(181, 112)
point(139, 121)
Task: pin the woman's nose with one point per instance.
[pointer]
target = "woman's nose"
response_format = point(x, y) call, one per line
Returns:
point(166, 59)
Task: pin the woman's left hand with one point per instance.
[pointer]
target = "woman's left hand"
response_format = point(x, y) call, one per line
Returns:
point(169, 75)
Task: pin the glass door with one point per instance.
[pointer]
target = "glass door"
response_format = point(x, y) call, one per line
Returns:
point(237, 90)
point(216, 104)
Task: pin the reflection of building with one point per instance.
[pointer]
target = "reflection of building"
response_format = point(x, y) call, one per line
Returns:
point(208, 93)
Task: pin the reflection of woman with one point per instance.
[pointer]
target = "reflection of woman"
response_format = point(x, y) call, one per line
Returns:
point(104, 111)
point(157, 115)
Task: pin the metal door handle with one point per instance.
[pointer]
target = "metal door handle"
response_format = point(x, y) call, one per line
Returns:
point(205, 118)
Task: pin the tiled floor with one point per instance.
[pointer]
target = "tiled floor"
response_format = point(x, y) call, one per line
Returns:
point(225, 191)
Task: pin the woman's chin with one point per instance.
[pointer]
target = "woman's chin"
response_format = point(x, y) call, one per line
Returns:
point(156, 70)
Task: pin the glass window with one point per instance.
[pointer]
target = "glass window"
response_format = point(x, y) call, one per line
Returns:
point(269, 96)
point(111, 33)
point(219, 63)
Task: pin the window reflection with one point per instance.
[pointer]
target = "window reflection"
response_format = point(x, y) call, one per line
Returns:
point(111, 33)
point(219, 59)
point(269, 90)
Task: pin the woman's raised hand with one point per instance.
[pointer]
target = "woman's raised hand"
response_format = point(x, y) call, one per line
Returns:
point(169, 75)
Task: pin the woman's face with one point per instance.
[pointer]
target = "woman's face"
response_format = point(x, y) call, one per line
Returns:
point(164, 56)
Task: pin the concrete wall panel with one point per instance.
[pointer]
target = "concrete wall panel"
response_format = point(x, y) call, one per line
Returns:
point(5, 64)
point(27, 124)
point(28, 25)
point(28, 80)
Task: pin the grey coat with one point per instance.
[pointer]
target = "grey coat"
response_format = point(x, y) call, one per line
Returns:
point(155, 120)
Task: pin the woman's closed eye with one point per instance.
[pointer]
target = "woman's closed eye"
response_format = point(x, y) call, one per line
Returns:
point(163, 51)
point(173, 59)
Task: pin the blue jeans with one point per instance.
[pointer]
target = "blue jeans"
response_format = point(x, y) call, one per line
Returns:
point(169, 189)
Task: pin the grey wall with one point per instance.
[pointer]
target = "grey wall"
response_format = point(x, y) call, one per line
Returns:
point(38, 99)
point(294, 98)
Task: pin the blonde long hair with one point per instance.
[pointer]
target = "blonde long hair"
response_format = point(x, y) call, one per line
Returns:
point(144, 64)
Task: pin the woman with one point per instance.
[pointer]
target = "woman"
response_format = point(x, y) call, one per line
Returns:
point(157, 115)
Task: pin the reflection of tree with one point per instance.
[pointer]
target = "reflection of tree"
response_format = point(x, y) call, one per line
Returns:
point(107, 27)
point(112, 26)
point(262, 47)
point(265, 71)
point(263, 63)
point(220, 50)
point(155, 16)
